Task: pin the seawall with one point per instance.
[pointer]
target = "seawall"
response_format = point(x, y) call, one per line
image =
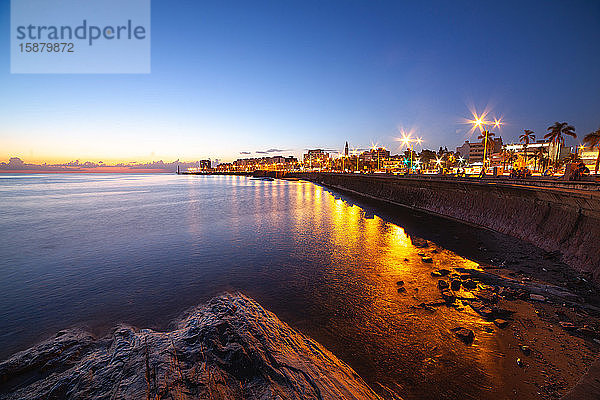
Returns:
point(555, 217)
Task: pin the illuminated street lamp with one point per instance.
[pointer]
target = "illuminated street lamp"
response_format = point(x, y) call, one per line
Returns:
point(409, 143)
point(479, 122)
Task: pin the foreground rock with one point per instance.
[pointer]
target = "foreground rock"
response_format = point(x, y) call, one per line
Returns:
point(231, 348)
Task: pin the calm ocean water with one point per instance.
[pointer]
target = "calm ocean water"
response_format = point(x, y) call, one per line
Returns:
point(97, 250)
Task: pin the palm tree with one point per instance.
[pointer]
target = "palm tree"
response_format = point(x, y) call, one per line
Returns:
point(593, 140)
point(486, 141)
point(504, 158)
point(526, 138)
point(555, 135)
point(535, 157)
point(572, 158)
point(539, 157)
point(512, 156)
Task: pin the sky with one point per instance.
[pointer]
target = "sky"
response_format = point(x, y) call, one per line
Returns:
point(229, 78)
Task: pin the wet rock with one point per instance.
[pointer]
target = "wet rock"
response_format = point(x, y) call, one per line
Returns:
point(487, 295)
point(464, 334)
point(488, 329)
point(448, 296)
point(427, 259)
point(419, 243)
point(406, 259)
point(442, 284)
point(431, 306)
point(440, 272)
point(230, 348)
point(400, 283)
point(568, 326)
point(462, 295)
point(486, 312)
point(502, 313)
point(434, 251)
point(455, 284)
point(435, 303)
point(537, 297)
point(401, 289)
point(421, 254)
point(507, 293)
point(481, 309)
point(501, 323)
point(469, 284)
point(526, 350)
point(587, 331)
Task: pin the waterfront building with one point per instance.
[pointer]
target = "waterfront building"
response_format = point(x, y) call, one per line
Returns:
point(317, 158)
point(476, 150)
point(380, 154)
point(549, 149)
point(394, 163)
point(204, 165)
point(225, 167)
point(588, 155)
point(265, 163)
point(464, 150)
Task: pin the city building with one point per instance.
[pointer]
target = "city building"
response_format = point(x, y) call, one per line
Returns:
point(204, 165)
point(549, 149)
point(346, 150)
point(375, 155)
point(394, 163)
point(477, 149)
point(588, 155)
point(266, 163)
point(464, 150)
point(316, 158)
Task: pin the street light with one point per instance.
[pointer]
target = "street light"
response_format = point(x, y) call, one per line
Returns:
point(480, 122)
point(409, 143)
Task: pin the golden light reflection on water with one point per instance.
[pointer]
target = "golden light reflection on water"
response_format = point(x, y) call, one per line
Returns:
point(368, 255)
point(357, 259)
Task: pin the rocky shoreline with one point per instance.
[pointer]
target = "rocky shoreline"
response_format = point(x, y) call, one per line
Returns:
point(230, 348)
point(563, 316)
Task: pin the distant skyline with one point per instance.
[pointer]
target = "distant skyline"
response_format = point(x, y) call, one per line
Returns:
point(247, 79)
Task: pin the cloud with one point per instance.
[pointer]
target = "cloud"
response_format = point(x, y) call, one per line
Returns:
point(245, 152)
point(270, 151)
point(16, 164)
point(326, 150)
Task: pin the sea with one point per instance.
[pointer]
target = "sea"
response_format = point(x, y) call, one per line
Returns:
point(97, 250)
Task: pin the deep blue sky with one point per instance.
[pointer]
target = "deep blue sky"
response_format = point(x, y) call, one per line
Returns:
point(241, 76)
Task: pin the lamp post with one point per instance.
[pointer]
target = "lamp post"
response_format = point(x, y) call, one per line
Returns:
point(409, 143)
point(479, 122)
